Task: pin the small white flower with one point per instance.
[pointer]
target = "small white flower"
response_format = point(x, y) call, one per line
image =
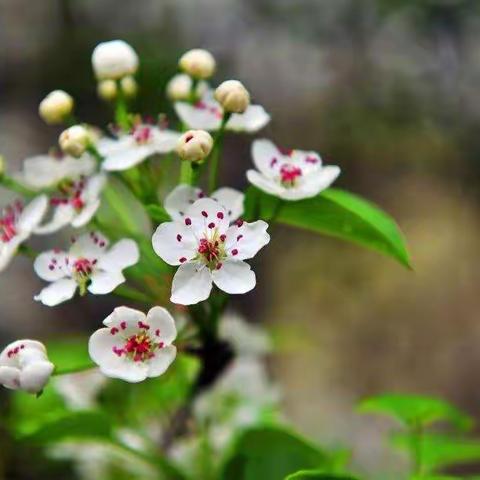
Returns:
point(194, 145)
point(207, 114)
point(208, 249)
point(114, 60)
point(183, 196)
point(198, 63)
point(75, 205)
point(24, 365)
point(56, 107)
point(232, 96)
point(88, 265)
point(134, 346)
point(17, 222)
point(75, 140)
point(289, 174)
point(131, 149)
point(47, 171)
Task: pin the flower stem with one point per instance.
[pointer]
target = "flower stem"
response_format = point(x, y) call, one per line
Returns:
point(121, 112)
point(78, 369)
point(27, 251)
point(14, 186)
point(189, 172)
point(215, 155)
point(416, 438)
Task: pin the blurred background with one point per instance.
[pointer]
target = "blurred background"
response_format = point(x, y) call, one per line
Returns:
point(388, 90)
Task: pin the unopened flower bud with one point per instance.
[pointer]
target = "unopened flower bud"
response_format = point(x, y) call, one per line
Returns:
point(198, 63)
point(55, 107)
point(107, 90)
point(194, 145)
point(179, 86)
point(129, 86)
point(74, 140)
point(114, 60)
point(232, 96)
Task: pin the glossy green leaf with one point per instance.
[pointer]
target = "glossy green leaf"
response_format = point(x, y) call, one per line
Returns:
point(317, 475)
point(271, 453)
point(69, 355)
point(440, 451)
point(413, 410)
point(337, 213)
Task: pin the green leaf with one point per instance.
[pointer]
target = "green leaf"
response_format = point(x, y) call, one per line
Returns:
point(69, 355)
point(440, 451)
point(158, 213)
point(337, 213)
point(414, 410)
point(317, 475)
point(271, 453)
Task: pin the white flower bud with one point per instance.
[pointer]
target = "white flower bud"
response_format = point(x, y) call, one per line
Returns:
point(232, 96)
point(194, 145)
point(107, 90)
point(197, 63)
point(129, 86)
point(114, 60)
point(55, 107)
point(179, 86)
point(74, 140)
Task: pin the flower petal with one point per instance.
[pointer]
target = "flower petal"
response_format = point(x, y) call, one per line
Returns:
point(123, 254)
point(35, 376)
point(160, 319)
point(174, 243)
point(235, 276)
point(58, 292)
point(9, 377)
point(198, 118)
point(127, 158)
point(9, 249)
point(192, 283)
point(232, 200)
point(266, 157)
point(92, 245)
point(205, 215)
point(161, 361)
point(246, 239)
point(252, 120)
point(105, 282)
point(320, 180)
point(130, 316)
point(33, 214)
point(164, 141)
point(86, 214)
point(51, 265)
point(179, 199)
point(264, 183)
point(94, 187)
point(62, 216)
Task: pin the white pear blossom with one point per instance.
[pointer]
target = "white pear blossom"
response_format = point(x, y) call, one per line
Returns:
point(89, 265)
point(17, 222)
point(208, 249)
point(289, 174)
point(114, 60)
point(47, 171)
point(24, 365)
point(183, 196)
point(134, 346)
point(207, 114)
point(75, 204)
point(128, 150)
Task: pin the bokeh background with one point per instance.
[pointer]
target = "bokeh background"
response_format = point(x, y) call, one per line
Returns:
point(388, 90)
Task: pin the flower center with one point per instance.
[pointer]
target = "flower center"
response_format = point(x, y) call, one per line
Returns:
point(289, 175)
point(82, 269)
point(142, 135)
point(8, 221)
point(212, 250)
point(71, 193)
point(201, 105)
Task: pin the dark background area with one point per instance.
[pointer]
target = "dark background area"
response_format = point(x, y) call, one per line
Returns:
point(388, 90)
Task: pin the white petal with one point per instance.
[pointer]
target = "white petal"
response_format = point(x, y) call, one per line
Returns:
point(35, 376)
point(130, 316)
point(94, 187)
point(232, 200)
point(308, 161)
point(25, 344)
point(160, 319)
point(206, 215)
point(33, 213)
point(8, 250)
point(266, 184)
point(192, 283)
point(266, 157)
point(246, 240)
point(51, 265)
point(62, 216)
point(174, 243)
point(161, 361)
point(58, 292)
point(123, 254)
point(105, 282)
point(235, 276)
point(179, 199)
point(197, 118)
point(92, 245)
point(10, 377)
point(87, 213)
point(318, 181)
point(252, 120)
point(107, 146)
point(164, 141)
point(128, 158)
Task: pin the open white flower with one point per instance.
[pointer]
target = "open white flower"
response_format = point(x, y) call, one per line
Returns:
point(75, 205)
point(46, 171)
point(17, 222)
point(24, 365)
point(134, 346)
point(183, 196)
point(133, 148)
point(208, 249)
point(207, 114)
point(289, 174)
point(88, 265)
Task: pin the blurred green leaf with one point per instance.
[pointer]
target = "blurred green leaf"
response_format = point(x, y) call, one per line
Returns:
point(440, 451)
point(271, 453)
point(414, 410)
point(69, 355)
point(337, 213)
point(317, 475)
point(158, 213)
